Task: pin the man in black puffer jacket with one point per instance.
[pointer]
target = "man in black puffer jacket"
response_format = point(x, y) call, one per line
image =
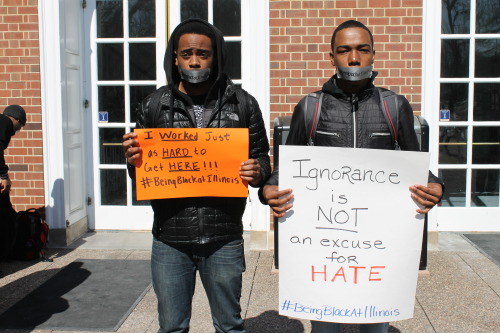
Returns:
point(351, 116)
point(202, 233)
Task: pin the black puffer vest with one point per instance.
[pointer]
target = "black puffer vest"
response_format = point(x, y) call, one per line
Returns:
point(203, 220)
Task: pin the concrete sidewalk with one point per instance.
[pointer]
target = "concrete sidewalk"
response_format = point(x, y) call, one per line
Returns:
point(459, 292)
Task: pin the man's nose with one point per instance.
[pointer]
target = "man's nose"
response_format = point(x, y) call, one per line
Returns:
point(354, 58)
point(194, 62)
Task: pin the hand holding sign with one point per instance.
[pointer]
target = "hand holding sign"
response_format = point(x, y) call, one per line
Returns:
point(189, 162)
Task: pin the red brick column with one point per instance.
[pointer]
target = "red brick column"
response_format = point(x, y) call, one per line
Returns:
point(20, 84)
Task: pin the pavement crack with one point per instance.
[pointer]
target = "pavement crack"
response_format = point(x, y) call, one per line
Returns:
point(425, 313)
point(251, 287)
point(472, 268)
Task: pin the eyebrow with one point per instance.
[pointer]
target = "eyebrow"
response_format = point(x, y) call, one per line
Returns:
point(357, 46)
point(193, 48)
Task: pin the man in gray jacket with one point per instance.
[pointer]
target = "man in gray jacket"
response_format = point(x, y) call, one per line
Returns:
point(351, 116)
point(200, 233)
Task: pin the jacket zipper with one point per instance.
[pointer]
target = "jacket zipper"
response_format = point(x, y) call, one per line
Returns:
point(354, 103)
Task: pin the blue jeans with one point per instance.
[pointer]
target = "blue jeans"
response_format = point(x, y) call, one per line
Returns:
point(323, 327)
point(220, 266)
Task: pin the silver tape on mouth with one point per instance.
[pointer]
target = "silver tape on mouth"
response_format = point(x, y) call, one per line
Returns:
point(194, 75)
point(354, 73)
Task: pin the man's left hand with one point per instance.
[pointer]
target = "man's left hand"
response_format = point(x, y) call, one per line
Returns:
point(428, 196)
point(250, 171)
point(5, 185)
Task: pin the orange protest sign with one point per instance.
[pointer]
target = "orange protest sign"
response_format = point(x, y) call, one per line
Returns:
point(191, 162)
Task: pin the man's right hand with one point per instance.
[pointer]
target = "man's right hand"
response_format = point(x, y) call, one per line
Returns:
point(131, 149)
point(5, 185)
point(279, 201)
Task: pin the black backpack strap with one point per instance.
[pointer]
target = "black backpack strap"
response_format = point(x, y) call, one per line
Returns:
point(243, 106)
point(389, 107)
point(311, 115)
point(154, 107)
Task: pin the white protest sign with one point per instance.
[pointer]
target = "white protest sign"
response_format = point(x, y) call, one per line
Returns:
point(350, 246)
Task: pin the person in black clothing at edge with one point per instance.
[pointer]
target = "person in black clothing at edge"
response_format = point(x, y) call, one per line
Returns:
point(350, 96)
point(11, 121)
point(200, 233)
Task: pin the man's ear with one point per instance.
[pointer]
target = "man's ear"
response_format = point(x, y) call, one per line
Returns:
point(332, 59)
point(175, 57)
point(373, 58)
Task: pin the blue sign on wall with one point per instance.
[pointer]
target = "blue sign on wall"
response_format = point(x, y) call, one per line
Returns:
point(444, 115)
point(103, 116)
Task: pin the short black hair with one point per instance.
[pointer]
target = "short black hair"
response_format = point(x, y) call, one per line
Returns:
point(197, 28)
point(350, 24)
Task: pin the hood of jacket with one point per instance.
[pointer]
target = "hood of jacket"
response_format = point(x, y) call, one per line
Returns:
point(220, 54)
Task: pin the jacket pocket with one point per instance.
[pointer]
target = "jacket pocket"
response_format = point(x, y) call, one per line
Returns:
point(380, 140)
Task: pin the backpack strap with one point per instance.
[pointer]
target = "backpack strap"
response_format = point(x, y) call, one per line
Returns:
point(389, 107)
point(312, 114)
point(154, 107)
point(243, 106)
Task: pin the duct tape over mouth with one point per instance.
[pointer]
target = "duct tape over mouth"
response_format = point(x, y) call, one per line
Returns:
point(354, 73)
point(194, 75)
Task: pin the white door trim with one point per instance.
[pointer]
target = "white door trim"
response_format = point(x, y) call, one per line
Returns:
point(50, 77)
point(431, 64)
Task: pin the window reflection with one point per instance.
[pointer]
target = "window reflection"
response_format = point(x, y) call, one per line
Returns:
point(233, 62)
point(487, 16)
point(452, 145)
point(455, 181)
point(485, 188)
point(113, 187)
point(109, 18)
point(110, 146)
point(227, 17)
point(142, 61)
point(194, 9)
point(487, 55)
point(454, 58)
point(142, 20)
point(486, 145)
point(487, 102)
point(112, 100)
point(110, 61)
point(454, 97)
point(455, 16)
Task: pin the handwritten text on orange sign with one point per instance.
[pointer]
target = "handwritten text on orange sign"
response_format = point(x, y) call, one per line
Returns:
point(191, 162)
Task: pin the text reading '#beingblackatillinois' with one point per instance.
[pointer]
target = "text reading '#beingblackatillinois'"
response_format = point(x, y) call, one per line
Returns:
point(326, 312)
point(303, 169)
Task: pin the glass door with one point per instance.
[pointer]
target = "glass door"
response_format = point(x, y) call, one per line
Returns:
point(469, 115)
point(127, 45)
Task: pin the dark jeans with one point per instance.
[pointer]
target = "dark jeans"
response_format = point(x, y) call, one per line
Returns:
point(7, 223)
point(174, 267)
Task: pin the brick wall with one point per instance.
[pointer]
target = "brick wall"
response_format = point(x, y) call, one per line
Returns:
point(20, 84)
point(300, 35)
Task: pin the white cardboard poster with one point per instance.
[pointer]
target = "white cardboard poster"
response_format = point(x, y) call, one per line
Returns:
point(350, 246)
